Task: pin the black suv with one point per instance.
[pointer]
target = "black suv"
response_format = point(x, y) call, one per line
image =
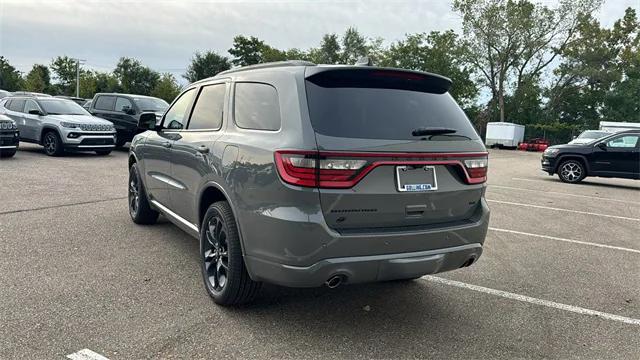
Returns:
point(124, 110)
point(617, 155)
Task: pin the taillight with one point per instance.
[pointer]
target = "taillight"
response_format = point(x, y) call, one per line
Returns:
point(344, 170)
point(477, 169)
point(310, 169)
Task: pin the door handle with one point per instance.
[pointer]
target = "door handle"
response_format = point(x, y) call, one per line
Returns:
point(166, 144)
point(203, 149)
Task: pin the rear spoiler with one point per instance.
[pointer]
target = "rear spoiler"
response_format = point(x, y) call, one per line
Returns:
point(377, 77)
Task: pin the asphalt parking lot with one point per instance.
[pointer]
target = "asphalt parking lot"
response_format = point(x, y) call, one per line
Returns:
point(559, 278)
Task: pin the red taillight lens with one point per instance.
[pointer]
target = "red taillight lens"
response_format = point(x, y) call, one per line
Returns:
point(477, 169)
point(309, 169)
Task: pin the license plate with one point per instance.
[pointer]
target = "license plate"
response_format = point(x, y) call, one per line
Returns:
point(416, 178)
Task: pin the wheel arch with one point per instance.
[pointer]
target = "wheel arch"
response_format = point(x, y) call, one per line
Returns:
point(578, 157)
point(212, 192)
point(46, 129)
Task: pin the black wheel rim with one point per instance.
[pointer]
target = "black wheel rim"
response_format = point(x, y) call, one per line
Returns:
point(216, 254)
point(134, 194)
point(50, 143)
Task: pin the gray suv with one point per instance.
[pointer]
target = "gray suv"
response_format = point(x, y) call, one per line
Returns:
point(302, 175)
point(59, 125)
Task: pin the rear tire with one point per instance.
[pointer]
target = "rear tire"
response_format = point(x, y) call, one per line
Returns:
point(139, 208)
point(571, 171)
point(223, 270)
point(103, 152)
point(52, 144)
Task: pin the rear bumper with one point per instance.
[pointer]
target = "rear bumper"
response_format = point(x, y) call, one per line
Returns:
point(359, 269)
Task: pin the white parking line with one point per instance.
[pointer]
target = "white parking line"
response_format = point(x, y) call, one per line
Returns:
point(566, 210)
point(532, 300)
point(523, 179)
point(566, 240)
point(86, 354)
point(564, 194)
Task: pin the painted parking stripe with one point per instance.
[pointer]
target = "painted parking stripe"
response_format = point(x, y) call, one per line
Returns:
point(86, 354)
point(566, 210)
point(563, 194)
point(532, 300)
point(566, 240)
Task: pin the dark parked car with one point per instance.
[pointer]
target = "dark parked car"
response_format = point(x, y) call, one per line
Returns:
point(9, 137)
point(616, 155)
point(304, 175)
point(124, 110)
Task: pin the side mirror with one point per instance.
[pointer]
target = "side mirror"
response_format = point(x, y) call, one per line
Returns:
point(35, 112)
point(148, 122)
point(602, 146)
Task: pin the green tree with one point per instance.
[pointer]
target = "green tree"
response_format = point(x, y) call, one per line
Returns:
point(247, 50)
point(436, 52)
point(10, 79)
point(597, 78)
point(64, 71)
point(511, 42)
point(106, 82)
point(167, 88)
point(204, 65)
point(134, 77)
point(328, 52)
point(38, 79)
point(354, 46)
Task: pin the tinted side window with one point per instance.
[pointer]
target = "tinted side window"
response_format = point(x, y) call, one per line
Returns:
point(105, 103)
point(629, 141)
point(31, 105)
point(122, 104)
point(176, 115)
point(256, 106)
point(16, 105)
point(207, 112)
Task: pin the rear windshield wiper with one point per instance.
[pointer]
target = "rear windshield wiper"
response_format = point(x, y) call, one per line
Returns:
point(432, 131)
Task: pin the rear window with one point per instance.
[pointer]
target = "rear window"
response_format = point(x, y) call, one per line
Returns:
point(17, 105)
point(392, 113)
point(105, 103)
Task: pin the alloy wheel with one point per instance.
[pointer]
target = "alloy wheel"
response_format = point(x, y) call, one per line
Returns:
point(134, 195)
point(50, 143)
point(571, 171)
point(216, 254)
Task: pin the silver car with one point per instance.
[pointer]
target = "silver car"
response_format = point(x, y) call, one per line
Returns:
point(59, 125)
point(302, 175)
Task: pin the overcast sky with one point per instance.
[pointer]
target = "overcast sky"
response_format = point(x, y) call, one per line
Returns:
point(164, 34)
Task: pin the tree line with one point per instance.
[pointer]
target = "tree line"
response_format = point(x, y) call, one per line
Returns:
point(554, 68)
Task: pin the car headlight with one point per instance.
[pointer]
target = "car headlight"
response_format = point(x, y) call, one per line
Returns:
point(69, 125)
point(551, 152)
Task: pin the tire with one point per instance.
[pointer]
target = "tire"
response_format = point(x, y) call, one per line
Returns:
point(103, 152)
point(571, 171)
point(139, 208)
point(52, 144)
point(223, 270)
point(7, 153)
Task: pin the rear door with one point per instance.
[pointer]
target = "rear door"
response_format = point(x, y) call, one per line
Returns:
point(32, 122)
point(103, 106)
point(401, 151)
point(193, 155)
point(15, 108)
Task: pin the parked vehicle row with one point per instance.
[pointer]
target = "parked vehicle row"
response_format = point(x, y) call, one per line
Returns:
point(58, 125)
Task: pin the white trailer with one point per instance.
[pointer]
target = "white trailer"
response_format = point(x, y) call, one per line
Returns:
point(504, 134)
point(615, 126)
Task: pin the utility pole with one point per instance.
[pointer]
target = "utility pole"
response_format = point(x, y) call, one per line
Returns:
point(78, 76)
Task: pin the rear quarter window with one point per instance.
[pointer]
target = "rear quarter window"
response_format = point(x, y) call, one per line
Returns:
point(17, 105)
point(106, 103)
point(256, 106)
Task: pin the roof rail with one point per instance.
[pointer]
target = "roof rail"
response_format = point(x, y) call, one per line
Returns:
point(268, 65)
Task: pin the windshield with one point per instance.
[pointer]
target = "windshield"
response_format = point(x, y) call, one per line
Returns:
point(593, 135)
point(62, 107)
point(151, 104)
point(393, 114)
